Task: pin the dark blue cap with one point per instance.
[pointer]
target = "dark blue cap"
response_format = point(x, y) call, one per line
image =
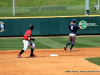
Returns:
point(73, 20)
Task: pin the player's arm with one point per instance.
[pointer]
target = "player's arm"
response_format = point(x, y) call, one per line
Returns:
point(68, 27)
point(80, 25)
point(29, 39)
point(29, 36)
point(71, 23)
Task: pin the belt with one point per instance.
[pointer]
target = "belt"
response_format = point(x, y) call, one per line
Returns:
point(24, 39)
point(72, 33)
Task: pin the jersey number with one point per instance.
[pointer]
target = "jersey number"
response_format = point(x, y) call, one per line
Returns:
point(71, 27)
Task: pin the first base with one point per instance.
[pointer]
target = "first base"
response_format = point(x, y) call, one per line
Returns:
point(53, 55)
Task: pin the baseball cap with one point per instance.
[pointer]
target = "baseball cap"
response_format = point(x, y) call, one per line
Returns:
point(73, 20)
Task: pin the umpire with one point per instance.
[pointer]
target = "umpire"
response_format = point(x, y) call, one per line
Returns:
point(72, 35)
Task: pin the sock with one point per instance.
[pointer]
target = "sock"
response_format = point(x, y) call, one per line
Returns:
point(72, 46)
point(21, 52)
point(68, 44)
point(32, 51)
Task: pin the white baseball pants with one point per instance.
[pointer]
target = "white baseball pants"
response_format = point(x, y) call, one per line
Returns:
point(72, 38)
point(26, 44)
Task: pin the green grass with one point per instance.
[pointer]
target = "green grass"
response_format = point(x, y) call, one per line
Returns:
point(49, 43)
point(95, 60)
point(31, 3)
point(34, 3)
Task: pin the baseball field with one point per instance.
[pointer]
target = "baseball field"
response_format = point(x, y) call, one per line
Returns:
point(84, 60)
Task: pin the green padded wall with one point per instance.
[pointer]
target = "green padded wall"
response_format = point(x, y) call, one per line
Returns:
point(49, 26)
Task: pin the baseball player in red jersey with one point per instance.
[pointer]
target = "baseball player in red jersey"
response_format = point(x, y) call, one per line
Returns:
point(27, 42)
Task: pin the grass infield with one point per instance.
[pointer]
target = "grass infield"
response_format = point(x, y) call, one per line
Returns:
point(49, 43)
point(95, 60)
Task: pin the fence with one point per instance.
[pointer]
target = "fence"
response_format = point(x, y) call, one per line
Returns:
point(43, 8)
point(62, 7)
point(52, 8)
point(18, 9)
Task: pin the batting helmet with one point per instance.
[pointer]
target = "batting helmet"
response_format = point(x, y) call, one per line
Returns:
point(31, 26)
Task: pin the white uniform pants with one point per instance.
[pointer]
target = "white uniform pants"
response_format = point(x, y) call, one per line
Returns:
point(26, 44)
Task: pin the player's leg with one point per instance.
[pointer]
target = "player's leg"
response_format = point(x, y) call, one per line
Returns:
point(73, 41)
point(70, 40)
point(32, 49)
point(25, 42)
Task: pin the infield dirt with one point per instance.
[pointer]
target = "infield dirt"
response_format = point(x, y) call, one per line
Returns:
point(67, 63)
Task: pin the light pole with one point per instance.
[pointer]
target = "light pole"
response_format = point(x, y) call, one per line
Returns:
point(86, 7)
point(14, 7)
point(97, 4)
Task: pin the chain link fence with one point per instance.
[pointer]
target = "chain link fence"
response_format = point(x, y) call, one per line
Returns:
point(18, 9)
point(55, 10)
point(62, 7)
point(33, 8)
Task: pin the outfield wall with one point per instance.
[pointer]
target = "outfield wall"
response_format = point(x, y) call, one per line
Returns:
point(54, 25)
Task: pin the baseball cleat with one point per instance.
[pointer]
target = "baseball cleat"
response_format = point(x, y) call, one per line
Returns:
point(32, 55)
point(71, 50)
point(19, 56)
point(65, 48)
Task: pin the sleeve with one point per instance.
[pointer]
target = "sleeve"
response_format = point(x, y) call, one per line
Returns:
point(29, 34)
point(78, 27)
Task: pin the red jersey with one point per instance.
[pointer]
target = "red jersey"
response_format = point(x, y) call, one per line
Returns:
point(27, 33)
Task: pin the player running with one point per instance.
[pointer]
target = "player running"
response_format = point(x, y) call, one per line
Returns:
point(27, 42)
point(72, 35)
